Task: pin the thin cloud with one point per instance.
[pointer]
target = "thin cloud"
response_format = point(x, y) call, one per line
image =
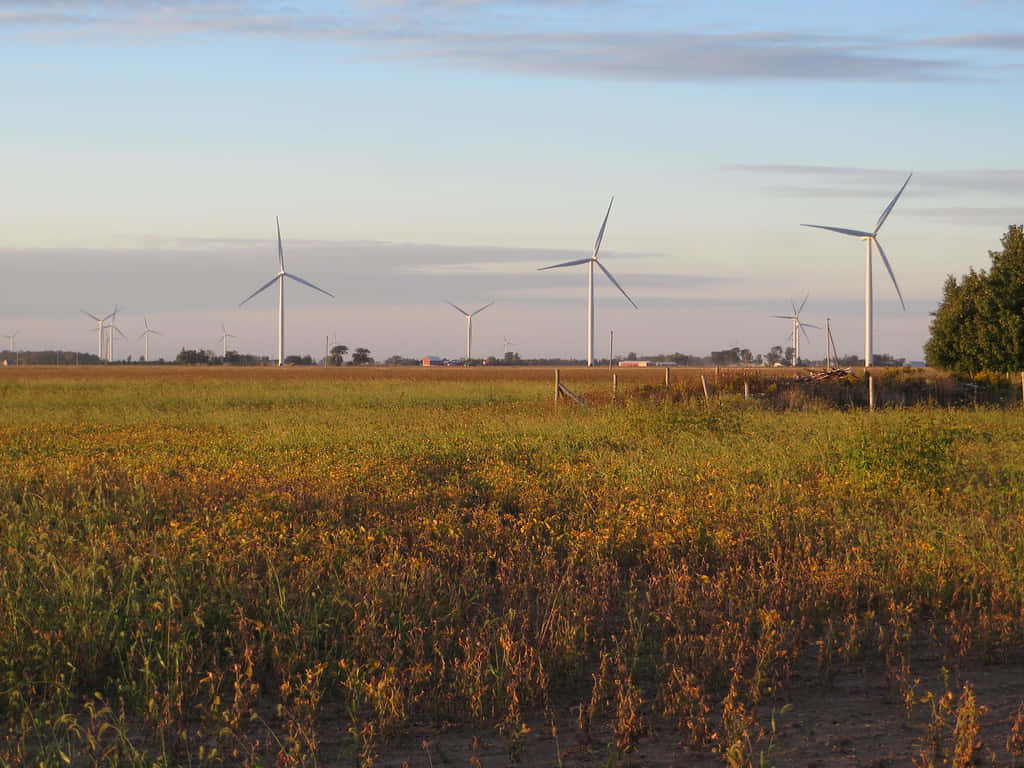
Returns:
point(973, 215)
point(845, 181)
point(466, 34)
point(373, 253)
point(1012, 42)
point(225, 271)
point(803, 169)
point(680, 56)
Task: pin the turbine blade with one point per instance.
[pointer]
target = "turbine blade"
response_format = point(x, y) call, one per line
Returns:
point(616, 283)
point(464, 312)
point(886, 262)
point(600, 234)
point(261, 289)
point(119, 331)
point(785, 317)
point(90, 314)
point(485, 306)
point(798, 311)
point(810, 325)
point(890, 206)
point(566, 264)
point(280, 248)
point(840, 230)
point(306, 282)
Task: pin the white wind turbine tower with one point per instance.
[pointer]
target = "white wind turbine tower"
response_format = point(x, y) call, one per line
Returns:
point(101, 325)
point(145, 335)
point(279, 279)
point(508, 343)
point(798, 326)
point(469, 326)
point(592, 261)
point(871, 238)
point(224, 339)
point(10, 340)
point(112, 326)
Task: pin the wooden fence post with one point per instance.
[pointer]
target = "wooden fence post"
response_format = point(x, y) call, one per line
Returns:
point(558, 385)
point(704, 384)
point(615, 384)
point(871, 392)
point(668, 377)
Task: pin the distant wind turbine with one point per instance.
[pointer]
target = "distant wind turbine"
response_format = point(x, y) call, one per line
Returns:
point(798, 326)
point(869, 238)
point(112, 326)
point(592, 261)
point(279, 279)
point(101, 325)
point(224, 339)
point(508, 343)
point(469, 326)
point(145, 335)
point(10, 340)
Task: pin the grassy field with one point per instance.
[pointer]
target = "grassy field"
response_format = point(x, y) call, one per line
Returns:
point(356, 567)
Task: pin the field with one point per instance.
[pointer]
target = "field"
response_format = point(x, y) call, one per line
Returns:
point(390, 567)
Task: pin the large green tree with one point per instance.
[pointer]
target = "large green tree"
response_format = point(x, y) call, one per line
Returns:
point(979, 326)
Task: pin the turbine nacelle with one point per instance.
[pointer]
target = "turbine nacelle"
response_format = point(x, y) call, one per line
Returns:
point(145, 322)
point(469, 314)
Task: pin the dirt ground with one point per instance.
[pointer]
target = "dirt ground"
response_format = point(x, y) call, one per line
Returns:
point(858, 719)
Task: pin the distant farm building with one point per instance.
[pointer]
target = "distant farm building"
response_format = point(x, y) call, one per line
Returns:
point(432, 360)
point(645, 364)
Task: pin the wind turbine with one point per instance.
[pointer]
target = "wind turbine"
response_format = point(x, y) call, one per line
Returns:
point(224, 339)
point(469, 326)
point(871, 238)
point(508, 343)
point(112, 326)
point(592, 261)
point(101, 325)
point(10, 340)
point(279, 279)
point(798, 327)
point(145, 335)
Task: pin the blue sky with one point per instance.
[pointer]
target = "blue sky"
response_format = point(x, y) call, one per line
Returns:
point(419, 151)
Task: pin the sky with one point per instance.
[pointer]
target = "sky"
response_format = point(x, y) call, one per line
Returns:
point(424, 151)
